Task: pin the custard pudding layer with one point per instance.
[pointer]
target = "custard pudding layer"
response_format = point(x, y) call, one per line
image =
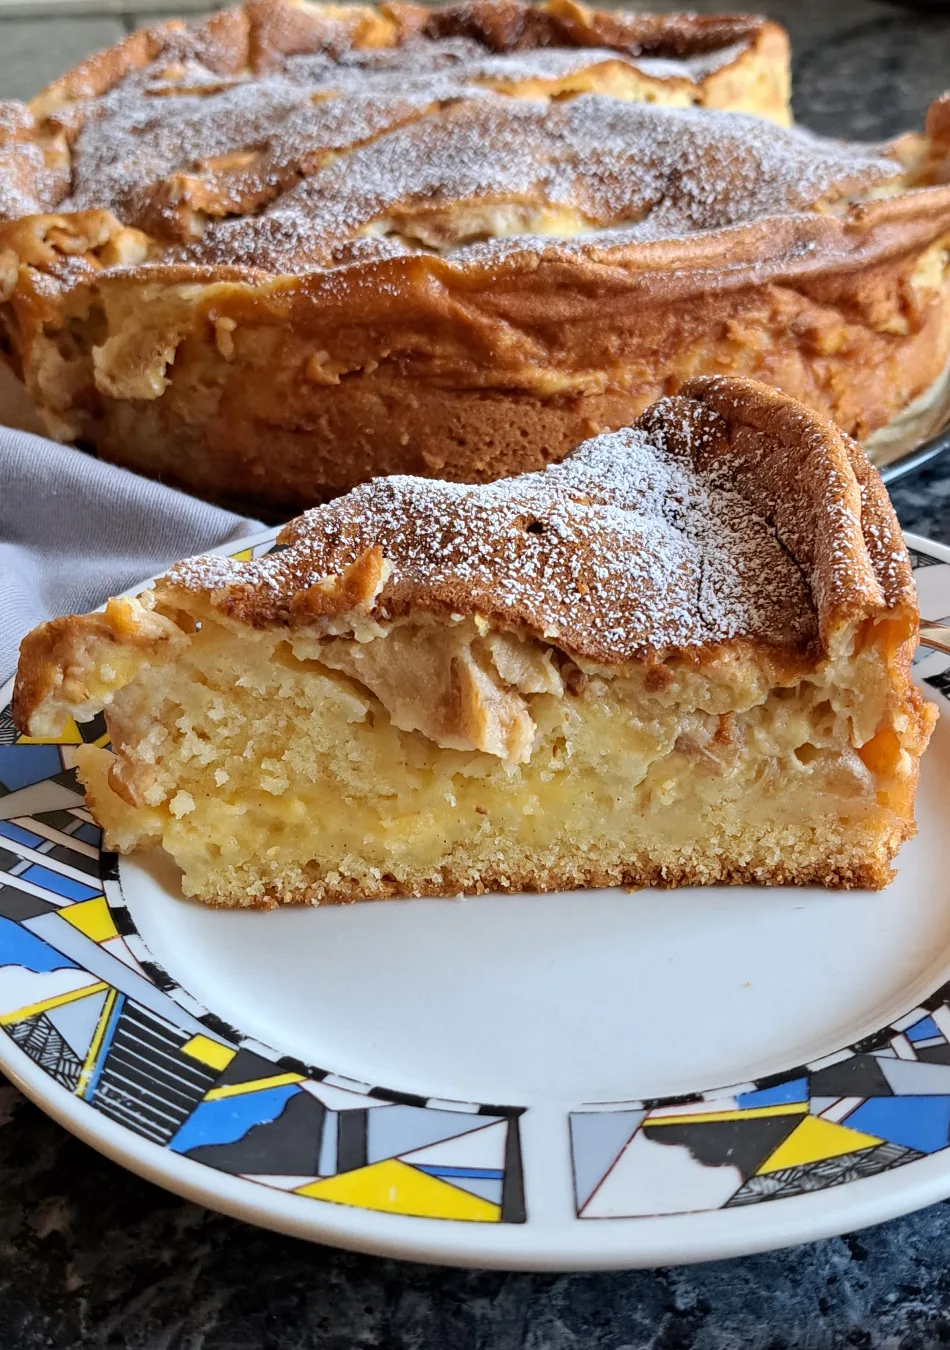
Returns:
point(268, 775)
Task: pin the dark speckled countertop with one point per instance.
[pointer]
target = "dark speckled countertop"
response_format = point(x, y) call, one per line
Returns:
point(91, 1256)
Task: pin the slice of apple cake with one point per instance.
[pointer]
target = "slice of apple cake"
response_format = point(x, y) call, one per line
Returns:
point(680, 656)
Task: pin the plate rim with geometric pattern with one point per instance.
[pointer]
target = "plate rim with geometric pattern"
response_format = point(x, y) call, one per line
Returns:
point(98, 1035)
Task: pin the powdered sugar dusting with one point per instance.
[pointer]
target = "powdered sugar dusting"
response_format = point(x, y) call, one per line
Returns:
point(640, 171)
point(467, 61)
point(135, 143)
point(175, 116)
point(626, 547)
point(27, 181)
point(288, 167)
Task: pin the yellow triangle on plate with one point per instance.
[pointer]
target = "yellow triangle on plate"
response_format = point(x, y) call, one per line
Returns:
point(91, 917)
point(396, 1188)
point(813, 1140)
point(212, 1053)
point(68, 736)
point(245, 555)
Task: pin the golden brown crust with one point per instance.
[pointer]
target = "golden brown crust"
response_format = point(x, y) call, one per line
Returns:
point(40, 661)
point(68, 661)
point(857, 873)
point(407, 375)
point(262, 34)
point(643, 544)
point(593, 580)
point(713, 60)
point(846, 538)
point(255, 265)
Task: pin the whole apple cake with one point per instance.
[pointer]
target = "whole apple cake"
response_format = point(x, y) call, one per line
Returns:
point(273, 253)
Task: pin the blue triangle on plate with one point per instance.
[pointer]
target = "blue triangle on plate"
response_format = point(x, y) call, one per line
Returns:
point(795, 1090)
point(922, 1123)
point(923, 1030)
point(21, 765)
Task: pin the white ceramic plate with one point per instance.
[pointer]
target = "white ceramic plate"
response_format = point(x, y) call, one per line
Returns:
point(571, 1081)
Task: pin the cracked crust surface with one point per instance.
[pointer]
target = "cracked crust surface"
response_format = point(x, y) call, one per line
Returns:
point(643, 541)
point(727, 517)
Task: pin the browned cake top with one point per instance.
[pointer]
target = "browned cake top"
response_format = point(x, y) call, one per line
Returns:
point(285, 137)
point(729, 513)
point(222, 110)
point(486, 173)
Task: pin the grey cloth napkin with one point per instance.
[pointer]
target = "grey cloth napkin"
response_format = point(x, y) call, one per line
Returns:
point(74, 531)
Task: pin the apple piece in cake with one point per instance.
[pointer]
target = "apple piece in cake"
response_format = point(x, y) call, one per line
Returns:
point(680, 656)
